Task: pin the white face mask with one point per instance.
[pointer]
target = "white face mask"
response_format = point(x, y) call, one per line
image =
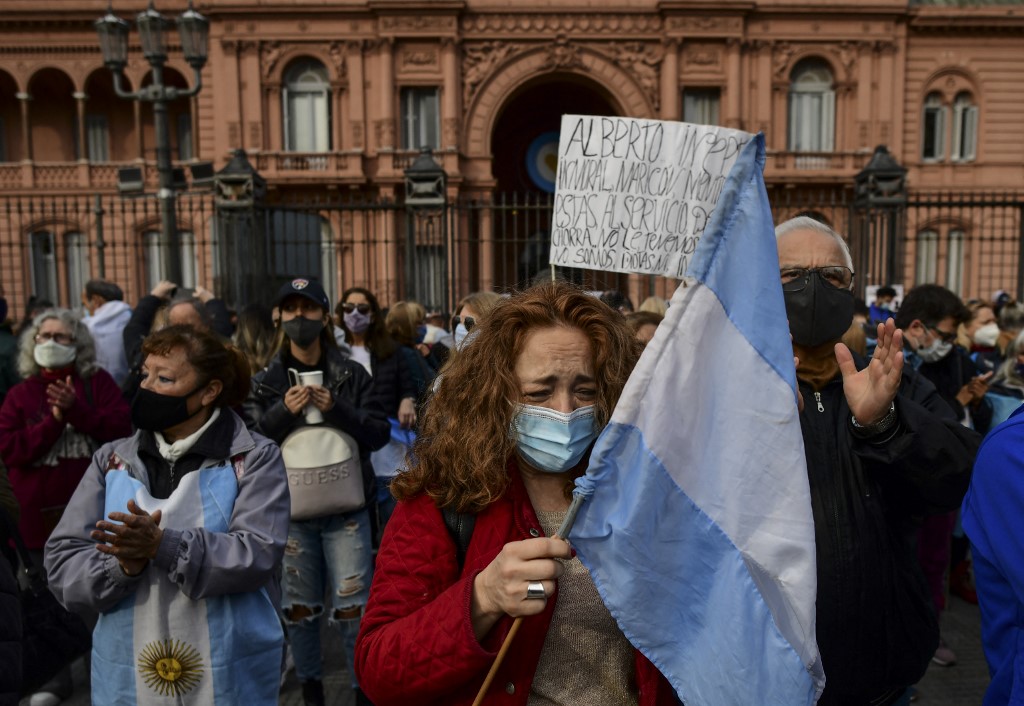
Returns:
point(987, 335)
point(54, 355)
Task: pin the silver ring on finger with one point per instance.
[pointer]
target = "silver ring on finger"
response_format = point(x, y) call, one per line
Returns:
point(535, 590)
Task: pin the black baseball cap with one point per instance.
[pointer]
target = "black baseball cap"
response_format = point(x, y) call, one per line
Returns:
point(310, 289)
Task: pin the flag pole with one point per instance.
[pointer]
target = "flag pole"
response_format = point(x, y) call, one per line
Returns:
point(563, 531)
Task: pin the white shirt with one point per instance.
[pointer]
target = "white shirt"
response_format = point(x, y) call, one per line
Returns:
point(362, 356)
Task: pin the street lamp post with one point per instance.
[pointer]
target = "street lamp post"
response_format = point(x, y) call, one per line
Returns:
point(194, 31)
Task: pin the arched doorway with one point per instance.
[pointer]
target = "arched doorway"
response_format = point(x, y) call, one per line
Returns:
point(524, 144)
point(531, 113)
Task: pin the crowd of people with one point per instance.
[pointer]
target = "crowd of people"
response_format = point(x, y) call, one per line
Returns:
point(206, 487)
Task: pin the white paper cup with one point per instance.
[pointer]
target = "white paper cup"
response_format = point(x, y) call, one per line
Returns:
point(313, 377)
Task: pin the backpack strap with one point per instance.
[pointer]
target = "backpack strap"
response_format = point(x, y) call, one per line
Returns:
point(460, 527)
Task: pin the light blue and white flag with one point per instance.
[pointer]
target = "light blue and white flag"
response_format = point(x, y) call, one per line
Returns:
point(698, 532)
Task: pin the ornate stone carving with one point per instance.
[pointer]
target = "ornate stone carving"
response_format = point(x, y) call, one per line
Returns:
point(642, 60)
point(270, 52)
point(563, 23)
point(419, 58)
point(561, 54)
point(337, 52)
point(701, 56)
point(704, 24)
point(357, 134)
point(847, 52)
point(450, 132)
point(384, 130)
point(478, 62)
point(255, 134)
point(781, 57)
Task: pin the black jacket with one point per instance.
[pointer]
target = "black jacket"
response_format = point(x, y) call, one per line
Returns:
point(392, 380)
point(876, 625)
point(357, 408)
point(949, 375)
point(10, 627)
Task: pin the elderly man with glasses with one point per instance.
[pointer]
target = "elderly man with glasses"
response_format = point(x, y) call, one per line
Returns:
point(882, 450)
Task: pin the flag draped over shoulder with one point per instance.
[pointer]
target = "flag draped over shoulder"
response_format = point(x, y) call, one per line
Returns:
point(698, 532)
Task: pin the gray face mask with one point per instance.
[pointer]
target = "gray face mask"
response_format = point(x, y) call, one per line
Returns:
point(934, 351)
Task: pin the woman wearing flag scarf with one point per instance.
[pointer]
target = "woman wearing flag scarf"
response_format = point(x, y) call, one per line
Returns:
point(175, 536)
point(508, 430)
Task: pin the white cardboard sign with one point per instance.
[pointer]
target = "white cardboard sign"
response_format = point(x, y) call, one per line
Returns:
point(634, 195)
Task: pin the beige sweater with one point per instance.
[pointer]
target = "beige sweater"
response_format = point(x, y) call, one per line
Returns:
point(585, 659)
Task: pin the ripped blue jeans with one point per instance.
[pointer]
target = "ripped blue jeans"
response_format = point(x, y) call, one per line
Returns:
point(326, 555)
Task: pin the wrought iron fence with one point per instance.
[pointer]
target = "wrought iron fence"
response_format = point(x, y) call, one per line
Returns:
point(51, 245)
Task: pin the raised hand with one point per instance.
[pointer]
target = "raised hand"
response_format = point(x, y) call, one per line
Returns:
point(870, 392)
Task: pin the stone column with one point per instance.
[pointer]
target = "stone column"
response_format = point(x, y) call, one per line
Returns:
point(733, 88)
point(357, 96)
point(26, 128)
point(450, 107)
point(387, 96)
point(83, 147)
point(670, 81)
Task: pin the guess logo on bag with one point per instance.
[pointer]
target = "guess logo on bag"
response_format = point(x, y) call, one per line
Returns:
point(318, 476)
point(324, 472)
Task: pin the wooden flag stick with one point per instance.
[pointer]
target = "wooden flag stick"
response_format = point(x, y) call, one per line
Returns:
point(563, 531)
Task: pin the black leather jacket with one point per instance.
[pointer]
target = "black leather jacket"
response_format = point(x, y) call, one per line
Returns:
point(876, 625)
point(357, 409)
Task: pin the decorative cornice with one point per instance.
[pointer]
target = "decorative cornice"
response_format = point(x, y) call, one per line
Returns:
point(417, 23)
point(562, 23)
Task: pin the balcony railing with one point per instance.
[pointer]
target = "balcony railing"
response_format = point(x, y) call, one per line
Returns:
point(811, 164)
point(303, 165)
point(71, 175)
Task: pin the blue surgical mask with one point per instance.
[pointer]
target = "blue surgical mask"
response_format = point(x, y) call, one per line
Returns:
point(553, 441)
point(460, 333)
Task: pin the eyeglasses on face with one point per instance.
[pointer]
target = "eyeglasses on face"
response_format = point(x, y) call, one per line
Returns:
point(468, 321)
point(348, 308)
point(794, 279)
point(946, 336)
point(65, 339)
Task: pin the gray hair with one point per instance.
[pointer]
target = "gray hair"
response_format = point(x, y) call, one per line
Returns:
point(1007, 373)
point(808, 223)
point(1011, 317)
point(85, 348)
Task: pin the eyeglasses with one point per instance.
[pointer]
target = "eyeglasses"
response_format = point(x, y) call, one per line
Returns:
point(946, 336)
point(794, 279)
point(348, 308)
point(62, 338)
point(468, 321)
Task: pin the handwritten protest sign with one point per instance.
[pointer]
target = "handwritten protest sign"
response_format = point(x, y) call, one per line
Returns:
point(635, 195)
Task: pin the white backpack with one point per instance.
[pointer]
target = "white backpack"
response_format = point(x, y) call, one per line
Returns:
point(325, 475)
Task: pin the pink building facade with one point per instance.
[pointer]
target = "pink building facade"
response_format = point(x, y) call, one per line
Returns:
point(332, 100)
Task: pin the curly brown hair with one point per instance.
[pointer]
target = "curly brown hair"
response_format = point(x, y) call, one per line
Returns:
point(460, 459)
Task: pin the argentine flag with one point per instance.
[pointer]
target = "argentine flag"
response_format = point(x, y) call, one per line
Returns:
point(698, 532)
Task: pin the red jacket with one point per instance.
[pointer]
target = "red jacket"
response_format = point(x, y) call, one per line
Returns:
point(28, 430)
point(416, 643)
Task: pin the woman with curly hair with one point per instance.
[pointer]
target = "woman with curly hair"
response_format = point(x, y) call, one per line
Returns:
point(50, 425)
point(507, 432)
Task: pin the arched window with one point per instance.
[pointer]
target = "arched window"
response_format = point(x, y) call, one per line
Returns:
point(933, 128)
point(965, 128)
point(76, 258)
point(927, 257)
point(44, 265)
point(307, 107)
point(812, 108)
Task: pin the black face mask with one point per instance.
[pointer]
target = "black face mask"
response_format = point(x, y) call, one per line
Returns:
point(302, 331)
point(155, 412)
point(819, 312)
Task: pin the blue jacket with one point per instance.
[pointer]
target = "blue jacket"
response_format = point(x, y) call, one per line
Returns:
point(991, 517)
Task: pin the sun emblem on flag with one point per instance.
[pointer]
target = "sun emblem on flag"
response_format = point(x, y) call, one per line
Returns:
point(170, 667)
